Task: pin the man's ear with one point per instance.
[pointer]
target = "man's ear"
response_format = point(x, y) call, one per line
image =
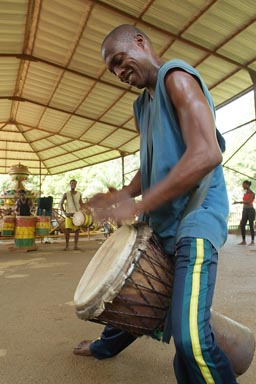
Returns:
point(140, 41)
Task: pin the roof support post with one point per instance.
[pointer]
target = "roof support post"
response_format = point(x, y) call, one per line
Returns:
point(253, 77)
point(122, 165)
point(40, 178)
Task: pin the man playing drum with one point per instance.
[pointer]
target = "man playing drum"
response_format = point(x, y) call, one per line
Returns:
point(73, 202)
point(180, 146)
point(24, 205)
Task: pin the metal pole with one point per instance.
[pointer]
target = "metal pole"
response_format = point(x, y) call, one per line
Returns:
point(122, 158)
point(252, 74)
point(122, 166)
point(40, 178)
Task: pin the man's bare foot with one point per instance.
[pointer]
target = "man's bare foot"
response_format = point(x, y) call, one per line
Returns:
point(242, 243)
point(83, 348)
point(252, 243)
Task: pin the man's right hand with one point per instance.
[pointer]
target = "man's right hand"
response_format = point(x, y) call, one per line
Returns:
point(105, 200)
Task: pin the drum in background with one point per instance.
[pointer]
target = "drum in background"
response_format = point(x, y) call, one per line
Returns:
point(25, 232)
point(8, 226)
point(128, 284)
point(43, 225)
point(236, 340)
point(82, 218)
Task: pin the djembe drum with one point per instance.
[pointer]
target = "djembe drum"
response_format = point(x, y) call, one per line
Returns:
point(128, 284)
point(82, 218)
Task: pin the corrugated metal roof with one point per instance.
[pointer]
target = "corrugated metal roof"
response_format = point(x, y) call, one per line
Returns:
point(60, 109)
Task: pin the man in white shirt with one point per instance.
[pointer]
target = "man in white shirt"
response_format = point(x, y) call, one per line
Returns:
point(70, 203)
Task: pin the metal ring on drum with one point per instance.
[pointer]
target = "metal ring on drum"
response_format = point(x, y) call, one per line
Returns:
point(128, 284)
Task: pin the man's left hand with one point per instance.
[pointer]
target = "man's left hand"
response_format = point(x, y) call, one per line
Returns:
point(124, 211)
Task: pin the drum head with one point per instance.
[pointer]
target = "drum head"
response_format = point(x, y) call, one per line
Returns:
point(106, 273)
point(78, 218)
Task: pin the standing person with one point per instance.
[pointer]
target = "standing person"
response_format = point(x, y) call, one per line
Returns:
point(24, 205)
point(179, 147)
point(248, 213)
point(73, 202)
point(106, 228)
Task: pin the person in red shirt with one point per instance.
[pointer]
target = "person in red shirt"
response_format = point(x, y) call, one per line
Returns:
point(248, 212)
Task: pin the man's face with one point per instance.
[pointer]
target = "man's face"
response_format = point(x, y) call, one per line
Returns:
point(22, 196)
point(128, 61)
point(73, 185)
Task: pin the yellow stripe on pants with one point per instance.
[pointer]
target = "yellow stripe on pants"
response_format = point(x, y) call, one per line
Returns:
point(193, 324)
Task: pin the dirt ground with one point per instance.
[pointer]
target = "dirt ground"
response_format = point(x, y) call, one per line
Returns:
point(39, 327)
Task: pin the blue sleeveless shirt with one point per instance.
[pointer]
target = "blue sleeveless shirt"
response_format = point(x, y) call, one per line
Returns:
point(161, 148)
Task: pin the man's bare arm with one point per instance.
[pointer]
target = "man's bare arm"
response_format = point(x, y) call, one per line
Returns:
point(198, 130)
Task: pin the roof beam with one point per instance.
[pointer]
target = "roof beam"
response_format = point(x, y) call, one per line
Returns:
point(180, 38)
point(22, 56)
point(23, 100)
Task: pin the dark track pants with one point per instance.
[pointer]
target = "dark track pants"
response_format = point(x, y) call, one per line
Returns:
point(247, 215)
point(198, 359)
point(111, 342)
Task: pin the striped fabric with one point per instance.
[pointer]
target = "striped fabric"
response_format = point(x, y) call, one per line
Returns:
point(198, 359)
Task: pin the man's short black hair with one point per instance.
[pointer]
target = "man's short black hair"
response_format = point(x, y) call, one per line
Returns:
point(73, 180)
point(22, 191)
point(125, 33)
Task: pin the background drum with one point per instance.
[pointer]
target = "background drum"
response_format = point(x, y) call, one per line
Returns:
point(8, 226)
point(236, 340)
point(128, 284)
point(43, 225)
point(82, 218)
point(25, 232)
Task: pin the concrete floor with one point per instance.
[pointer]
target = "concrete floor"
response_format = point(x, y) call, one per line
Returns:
point(39, 327)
